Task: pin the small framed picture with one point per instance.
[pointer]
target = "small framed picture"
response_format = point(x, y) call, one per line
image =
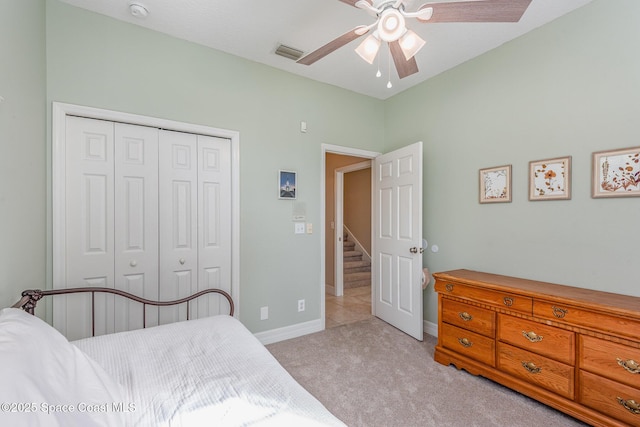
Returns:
point(287, 185)
point(495, 184)
point(550, 179)
point(616, 173)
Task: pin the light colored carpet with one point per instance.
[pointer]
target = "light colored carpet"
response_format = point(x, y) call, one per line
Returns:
point(370, 374)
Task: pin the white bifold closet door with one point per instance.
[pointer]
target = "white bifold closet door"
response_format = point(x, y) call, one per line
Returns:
point(148, 212)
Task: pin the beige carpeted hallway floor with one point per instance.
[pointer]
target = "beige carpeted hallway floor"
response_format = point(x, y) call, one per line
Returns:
point(370, 374)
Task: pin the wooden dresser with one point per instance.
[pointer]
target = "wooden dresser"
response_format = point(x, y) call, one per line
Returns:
point(574, 349)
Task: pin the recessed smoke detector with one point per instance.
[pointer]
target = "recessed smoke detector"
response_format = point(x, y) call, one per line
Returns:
point(289, 52)
point(138, 10)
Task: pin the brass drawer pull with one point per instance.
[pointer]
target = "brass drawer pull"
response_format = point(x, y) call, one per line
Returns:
point(559, 312)
point(630, 365)
point(507, 301)
point(465, 316)
point(630, 405)
point(465, 342)
point(532, 336)
point(448, 287)
point(531, 367)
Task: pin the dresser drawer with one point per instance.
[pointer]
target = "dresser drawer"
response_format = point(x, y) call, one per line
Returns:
point(469, 317)
point(589, 319)
point(495, 298)
point(536, 369)
point(469, 344)
point(611, 398)
point(608, 359)
point(542, 339)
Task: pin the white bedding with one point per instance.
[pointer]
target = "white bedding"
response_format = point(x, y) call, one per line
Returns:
point(210, 371)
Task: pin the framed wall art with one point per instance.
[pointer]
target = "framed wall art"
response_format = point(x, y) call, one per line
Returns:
point(616, 173)
point(495, 184)
point(287, 185)
point(550, 179)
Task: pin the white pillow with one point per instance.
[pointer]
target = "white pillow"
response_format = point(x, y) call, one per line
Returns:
point(50, 382)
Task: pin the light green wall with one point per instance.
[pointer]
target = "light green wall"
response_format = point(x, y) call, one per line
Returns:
point(100, 62)
point(571, 88)
point(22, 148)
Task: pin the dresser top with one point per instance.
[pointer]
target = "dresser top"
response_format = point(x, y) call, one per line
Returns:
point(604, 301)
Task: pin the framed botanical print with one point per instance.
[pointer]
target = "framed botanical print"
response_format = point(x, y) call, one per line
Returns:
point(550, 179)
point(495, 184)
point(616, 173)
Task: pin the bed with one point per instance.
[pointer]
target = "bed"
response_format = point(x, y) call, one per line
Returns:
point(209, 371)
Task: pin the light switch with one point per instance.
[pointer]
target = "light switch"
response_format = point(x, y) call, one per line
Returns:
point(309, 228)
point(299, 228)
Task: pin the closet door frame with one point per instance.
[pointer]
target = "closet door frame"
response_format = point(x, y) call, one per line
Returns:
point(60, 111)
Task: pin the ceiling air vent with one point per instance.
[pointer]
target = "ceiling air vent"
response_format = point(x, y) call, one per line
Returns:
point(289, 52)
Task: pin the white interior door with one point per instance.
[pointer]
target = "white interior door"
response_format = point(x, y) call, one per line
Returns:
point(136, 223)
point(89, 251)
point(214, 218)
point(397, 239)
point(137, 208)
point(178, 219)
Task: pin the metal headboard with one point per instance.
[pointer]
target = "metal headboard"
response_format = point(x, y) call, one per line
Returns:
point(31, 297)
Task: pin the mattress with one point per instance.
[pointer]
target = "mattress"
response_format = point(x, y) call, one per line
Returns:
point(209, 371)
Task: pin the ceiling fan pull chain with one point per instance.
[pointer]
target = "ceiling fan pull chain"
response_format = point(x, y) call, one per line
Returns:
point(389, 85)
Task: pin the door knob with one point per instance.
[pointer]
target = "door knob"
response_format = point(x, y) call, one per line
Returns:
point(182, 261)
point(413, 250)
point(133, 263)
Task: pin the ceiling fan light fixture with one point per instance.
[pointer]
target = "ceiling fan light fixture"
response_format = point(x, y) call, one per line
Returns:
point(368, 49)
point(391, 25)
point(410, 44)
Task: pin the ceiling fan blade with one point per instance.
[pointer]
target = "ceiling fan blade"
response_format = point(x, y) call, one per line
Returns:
point(477, 11)
point(403, 66)
point(335, 44)
point(353, 2)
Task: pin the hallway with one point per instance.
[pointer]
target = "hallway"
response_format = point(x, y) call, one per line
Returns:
point(353, 306)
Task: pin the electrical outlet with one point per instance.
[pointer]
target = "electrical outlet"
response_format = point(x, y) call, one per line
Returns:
point(300, 305)
point(264, 313)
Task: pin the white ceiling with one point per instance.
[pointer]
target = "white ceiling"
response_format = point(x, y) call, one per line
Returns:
point(252, 29)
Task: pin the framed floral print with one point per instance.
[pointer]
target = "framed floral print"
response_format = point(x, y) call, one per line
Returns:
point(616, 173)
point(550, 179)
point(495, 184)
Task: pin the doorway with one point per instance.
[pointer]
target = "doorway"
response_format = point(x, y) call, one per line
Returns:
point(396, 183)
point(342, 304)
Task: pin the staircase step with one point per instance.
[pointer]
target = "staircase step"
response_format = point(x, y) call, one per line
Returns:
point(348, 245)
point(356, 280)
point(352, 255)
point(356, 266)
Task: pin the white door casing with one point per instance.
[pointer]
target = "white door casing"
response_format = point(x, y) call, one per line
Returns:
point(397, 239)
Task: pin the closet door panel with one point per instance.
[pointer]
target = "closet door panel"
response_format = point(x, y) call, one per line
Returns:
point(89, 224)
point(136, 223)
point(178, 196)
point(214, 220)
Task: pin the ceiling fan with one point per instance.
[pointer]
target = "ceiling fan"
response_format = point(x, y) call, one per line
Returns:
point(403, 43)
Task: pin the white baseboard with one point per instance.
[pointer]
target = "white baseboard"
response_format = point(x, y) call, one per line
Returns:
point(431, 328)
point(300, 329)
point(288, 332)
